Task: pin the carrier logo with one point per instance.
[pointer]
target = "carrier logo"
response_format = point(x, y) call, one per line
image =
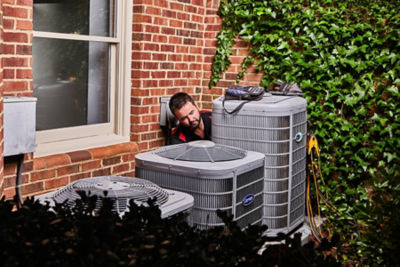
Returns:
point(248, 199)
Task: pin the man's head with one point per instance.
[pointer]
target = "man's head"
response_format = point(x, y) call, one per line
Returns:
point(185, 110)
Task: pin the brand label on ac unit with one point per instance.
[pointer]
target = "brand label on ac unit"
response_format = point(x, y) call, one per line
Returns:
point(248, 199)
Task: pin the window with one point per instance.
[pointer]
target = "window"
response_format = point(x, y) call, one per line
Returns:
point(81, 52)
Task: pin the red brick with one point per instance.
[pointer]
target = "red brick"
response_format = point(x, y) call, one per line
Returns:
point(150, 83)
point(121, 168)
point(176, 6)
point(8, 49)
point(77, 156)
point(169, 14)
point(175, 57)
point(173, 74)
point(189, 41)
point(24, 25)
point(113, 150)
point(141, 37)
point(139, 128)
point(183, 16)
point(198, 19)
point(198, 2)
point(167, 31)
point(175, 23)
point(150, 65)
point(152, 29)
point(181, 66)
point(141, 55)
point(139, 110)
point(165, 83)
point(128, 157)
point(158, 74)
point(157, 92)
point(153, 100)
point(167, 48)
point(137, 28)
point(140, 74)
point(140, 92)
point(24, 74)
point(149, 118)
point(180, 82)
point(138, 9)
point(160, 21)
point(24, 50)
point(136, 65)
point(153, 11)
point(101, 172)
point(174, 40)
point(188, 74)
point(8, 24)
point(159, 57)
point(160, 39)
point(56, 183)
point(144, 146)
point(182, 49)
point(189, 25)
point(15, 62)
point(42, 175)
point(25, 3)
point(80, 176)
point(111, 161)
point(15, 12)
point(9, 74)
point(190, 9)
point(70, 169)
point(15, 86)
point(142, 18)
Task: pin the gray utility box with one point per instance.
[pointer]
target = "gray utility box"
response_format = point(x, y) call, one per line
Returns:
point(19, 125)
point(277, 127)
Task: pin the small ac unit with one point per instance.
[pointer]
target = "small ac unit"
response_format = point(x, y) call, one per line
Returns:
point(217, 176)
point(121, 190)
point(275, 126)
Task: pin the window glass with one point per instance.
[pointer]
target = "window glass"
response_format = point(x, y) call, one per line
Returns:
point(70, 82)
point(86, 17)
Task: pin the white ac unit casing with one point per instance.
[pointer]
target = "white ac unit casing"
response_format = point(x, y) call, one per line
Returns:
point(121, 190)
point(217, 176)
point(277, 127)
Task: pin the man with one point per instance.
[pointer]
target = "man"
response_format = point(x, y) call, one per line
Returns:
point(193, 123)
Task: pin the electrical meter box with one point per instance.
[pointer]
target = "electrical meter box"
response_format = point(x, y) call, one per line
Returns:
point(19, 125)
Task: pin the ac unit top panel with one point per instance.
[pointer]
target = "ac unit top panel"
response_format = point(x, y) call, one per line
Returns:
point(272, 104)
point(221, 169)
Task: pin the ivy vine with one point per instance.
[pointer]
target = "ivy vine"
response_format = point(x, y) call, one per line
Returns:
point(345, 57)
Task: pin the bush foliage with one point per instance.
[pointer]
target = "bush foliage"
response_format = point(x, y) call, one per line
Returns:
point(345, 56)
point(34, 235)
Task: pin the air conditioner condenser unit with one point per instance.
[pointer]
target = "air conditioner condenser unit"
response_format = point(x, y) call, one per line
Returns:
point(277, 127)
point(121, 190)
point(217, 176)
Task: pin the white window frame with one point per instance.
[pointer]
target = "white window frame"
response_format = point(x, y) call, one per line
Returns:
point(63, 140)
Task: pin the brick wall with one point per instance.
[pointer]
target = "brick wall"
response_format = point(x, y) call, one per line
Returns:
point(173, 42)
point(173, 46)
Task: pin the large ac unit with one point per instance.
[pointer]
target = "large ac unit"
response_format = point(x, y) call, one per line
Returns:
point(121, 190)
point(217, 176)
point(275, 126)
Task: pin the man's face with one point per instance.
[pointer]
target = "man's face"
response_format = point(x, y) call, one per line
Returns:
point(188, 115)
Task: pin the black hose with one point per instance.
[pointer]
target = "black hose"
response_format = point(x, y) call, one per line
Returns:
point(18, 179)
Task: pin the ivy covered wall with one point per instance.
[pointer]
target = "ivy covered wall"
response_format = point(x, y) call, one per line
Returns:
point(345, 56)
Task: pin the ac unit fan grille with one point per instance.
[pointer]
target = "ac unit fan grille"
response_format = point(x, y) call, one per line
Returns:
point(201, 151)
point(120, 189)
